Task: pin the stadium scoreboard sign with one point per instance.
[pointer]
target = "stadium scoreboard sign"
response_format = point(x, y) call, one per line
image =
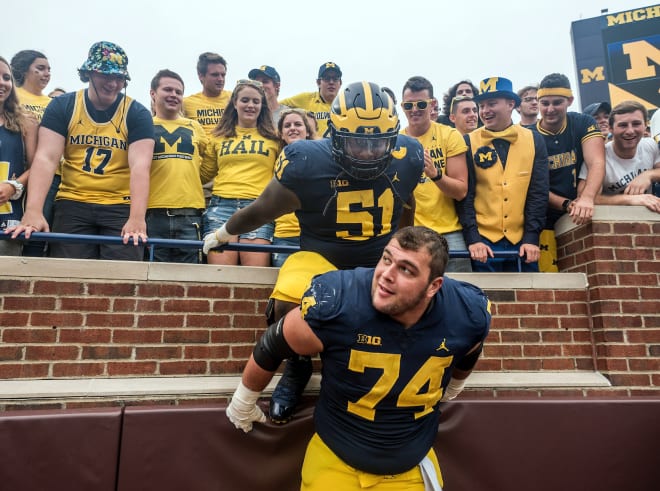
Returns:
point(617, 57)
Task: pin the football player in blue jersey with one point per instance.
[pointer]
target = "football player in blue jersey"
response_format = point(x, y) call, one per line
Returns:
point(572, 140)
point(394, 341)
point(350, 192)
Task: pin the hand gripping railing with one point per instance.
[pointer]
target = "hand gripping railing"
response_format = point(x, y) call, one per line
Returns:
point(197, 244)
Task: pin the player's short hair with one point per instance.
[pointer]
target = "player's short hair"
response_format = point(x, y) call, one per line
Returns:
point(417, 84)
point(20, 63)
point(207, 58)
point(627, 107)
point(390, 92)
point(165, 73)
point(455, 102)
point(555, 80)
point(414, 238)
point(527, 88)
point(451, 93)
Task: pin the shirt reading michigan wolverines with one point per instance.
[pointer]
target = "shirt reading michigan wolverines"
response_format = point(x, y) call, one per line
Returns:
point(314, 103)
point(95, 165)
point(206, 110)
point(339, 211)
point(34, 104)
point(370, 358)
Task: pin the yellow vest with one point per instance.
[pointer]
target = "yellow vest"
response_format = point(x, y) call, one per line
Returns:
point(501, 192)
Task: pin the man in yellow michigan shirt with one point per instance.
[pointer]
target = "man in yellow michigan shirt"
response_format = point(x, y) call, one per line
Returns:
point(328, 83)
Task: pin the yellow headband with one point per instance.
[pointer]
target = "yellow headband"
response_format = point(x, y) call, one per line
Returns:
point(560, 91)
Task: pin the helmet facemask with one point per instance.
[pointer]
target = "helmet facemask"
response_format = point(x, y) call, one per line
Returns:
point(363, 157)
point(363, 127)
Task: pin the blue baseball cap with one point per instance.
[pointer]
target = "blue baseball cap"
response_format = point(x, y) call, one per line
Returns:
point(329, 65)
point(265, 70)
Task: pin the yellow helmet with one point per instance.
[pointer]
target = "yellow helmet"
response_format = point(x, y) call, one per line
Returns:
point(363, 128)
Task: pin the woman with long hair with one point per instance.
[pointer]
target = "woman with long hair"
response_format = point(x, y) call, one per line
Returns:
point(245, 148)
point(18, 142)
point(292, 126)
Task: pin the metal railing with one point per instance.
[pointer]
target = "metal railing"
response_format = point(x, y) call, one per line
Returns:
point(153, 243)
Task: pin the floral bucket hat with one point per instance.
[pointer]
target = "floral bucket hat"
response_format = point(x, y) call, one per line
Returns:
point(106, 57)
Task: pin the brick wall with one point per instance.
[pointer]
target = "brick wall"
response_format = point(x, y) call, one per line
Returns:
point(81, 320)
point(620, 254)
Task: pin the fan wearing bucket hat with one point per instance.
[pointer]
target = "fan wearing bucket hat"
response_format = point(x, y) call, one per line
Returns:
point(507, 197)
point(106, 140)
point(319, 102)
point(572, 140)
point(270, 80)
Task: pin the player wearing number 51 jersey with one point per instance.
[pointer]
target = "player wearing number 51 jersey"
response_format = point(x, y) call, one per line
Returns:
point(345, 219)
point(107, 141)
point(350, 192)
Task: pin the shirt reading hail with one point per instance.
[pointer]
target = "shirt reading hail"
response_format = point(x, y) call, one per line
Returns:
point(245, 163)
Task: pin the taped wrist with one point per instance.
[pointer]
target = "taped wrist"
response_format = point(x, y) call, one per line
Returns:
point(468, 362)
point(272, 348)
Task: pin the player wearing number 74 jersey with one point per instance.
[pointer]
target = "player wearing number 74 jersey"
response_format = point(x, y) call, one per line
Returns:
point(350, 192)
point(394, 342)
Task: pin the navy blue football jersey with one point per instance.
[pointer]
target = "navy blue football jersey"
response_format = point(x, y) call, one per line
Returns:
point(378, 408)
point(346, 220)
point(565, 157)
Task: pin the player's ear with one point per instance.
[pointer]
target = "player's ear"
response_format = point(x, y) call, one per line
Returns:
point(434, 286)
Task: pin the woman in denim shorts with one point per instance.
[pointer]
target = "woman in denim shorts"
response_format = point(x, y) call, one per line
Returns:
point(245, 148)
point(293, 125)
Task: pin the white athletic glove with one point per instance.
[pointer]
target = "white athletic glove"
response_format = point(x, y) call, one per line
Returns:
point(214, 239)
point(454, 387)
point(243, 410)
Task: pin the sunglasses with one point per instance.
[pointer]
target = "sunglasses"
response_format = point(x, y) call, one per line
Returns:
point(421, 105)
point(458, 99)
point(247, 81)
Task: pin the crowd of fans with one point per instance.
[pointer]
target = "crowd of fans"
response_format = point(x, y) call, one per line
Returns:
point(97, 162)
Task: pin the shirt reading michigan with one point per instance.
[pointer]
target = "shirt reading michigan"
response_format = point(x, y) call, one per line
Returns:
point(95, 164)
point(207, 111)
point(382, 383)
point(346, 220)
point(565, 156)
point(244, 162)
point(314, 103)
point(34, 104)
